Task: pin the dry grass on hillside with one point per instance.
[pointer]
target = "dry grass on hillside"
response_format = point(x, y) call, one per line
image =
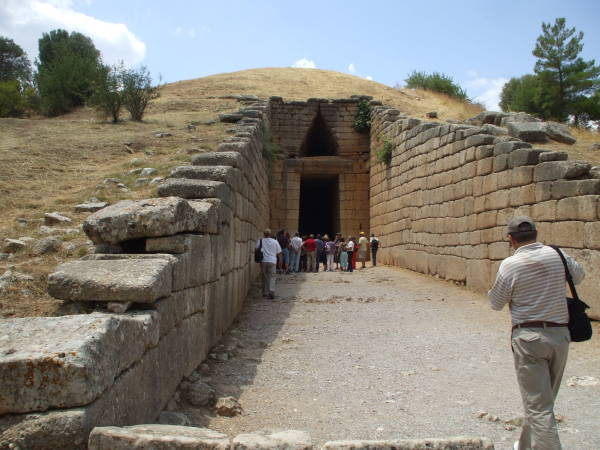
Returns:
point(53, 164)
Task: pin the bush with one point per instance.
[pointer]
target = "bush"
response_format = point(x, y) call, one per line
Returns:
point(107, 97)
point(436, 82)
point(362, 120)
point(384, 154)
point(12, 102)
point(138, 91)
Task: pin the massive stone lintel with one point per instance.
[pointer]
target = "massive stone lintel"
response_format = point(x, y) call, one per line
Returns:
point(61, 362)
point(320, 165)
point(153, 217)
point(116, 280)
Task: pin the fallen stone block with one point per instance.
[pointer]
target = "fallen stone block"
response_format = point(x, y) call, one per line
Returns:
point(129, 219)
point(454, 443)
point(118, 280)
point(13, 245)
point(195, 189)
point(156, 437)
point(55, 218)
point(62, 362)
point(556, 170)
point(554, 156)
point(528, 131)
point(560, 133)
point(524, 157)
point(283, 440)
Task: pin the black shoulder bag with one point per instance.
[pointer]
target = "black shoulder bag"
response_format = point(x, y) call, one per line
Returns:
point(258, 254)
point(579, 323)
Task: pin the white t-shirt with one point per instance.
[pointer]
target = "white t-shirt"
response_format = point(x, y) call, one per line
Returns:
point(296, 243)
point(270, 249)
point(350, 246)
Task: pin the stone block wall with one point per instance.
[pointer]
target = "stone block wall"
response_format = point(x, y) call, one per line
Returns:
point(290, 125)
point(441, 206)
point(173, 272)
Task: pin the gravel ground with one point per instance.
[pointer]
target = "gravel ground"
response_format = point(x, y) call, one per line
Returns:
point(385, 353)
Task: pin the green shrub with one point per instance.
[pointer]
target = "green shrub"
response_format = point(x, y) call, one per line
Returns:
point(12, 102)
point(384, 154)
point(436, 82)
point(107, 98)
point(138, 91)
point(362, 120)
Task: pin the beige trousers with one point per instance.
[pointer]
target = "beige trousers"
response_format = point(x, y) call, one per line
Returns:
point(268, 277)
point(540, 356)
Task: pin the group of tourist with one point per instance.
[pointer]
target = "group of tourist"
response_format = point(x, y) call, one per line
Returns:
point(307, 253)
point(282, 254)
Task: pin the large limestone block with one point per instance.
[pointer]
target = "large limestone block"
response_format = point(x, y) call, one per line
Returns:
point(153, 217)
point(524, 157)
point(226, 174)
point(195, 189)
point(178, 306)
point(156, 437)
point(588, 288)
point(528, 131)
point(479, 275)
point(283, 440)
point(61, 362)
point(556, 170)
point(112, 280)
point(453, 443)
point(508, 147)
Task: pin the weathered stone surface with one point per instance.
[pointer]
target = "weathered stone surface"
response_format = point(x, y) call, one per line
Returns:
point(55, 218)
point(507, 147)
point(119, 280)
point(46, 245)
point(60, 362)
point(198, 393)
point(517, 117)
point(147, 171)
point(554, 156)
point(559, 132)
point(528, 131)
point(524, 157)
point(195, 189)
point(456, 443)
point(230, 118)
point(495, 130)
point(226, 174)
point(90, 206)
point(156, 437)
point(233, 159)
point(174, 418)
point(283, 440)
point(130, 219)
point(556, 170)
point(479, 139)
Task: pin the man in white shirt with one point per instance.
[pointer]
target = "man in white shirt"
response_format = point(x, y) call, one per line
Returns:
point(271, 251)
point(296, 243)
point(532, 283)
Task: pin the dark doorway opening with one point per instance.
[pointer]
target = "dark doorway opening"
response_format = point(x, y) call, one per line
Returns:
point(319, 140)
point(319, 205)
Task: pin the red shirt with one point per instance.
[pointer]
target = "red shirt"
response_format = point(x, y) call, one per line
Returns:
point(310, 245)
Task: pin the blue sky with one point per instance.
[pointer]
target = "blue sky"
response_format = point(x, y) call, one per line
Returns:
point(481, 44)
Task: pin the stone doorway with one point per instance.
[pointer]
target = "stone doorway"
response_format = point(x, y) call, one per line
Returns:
point(319, 205)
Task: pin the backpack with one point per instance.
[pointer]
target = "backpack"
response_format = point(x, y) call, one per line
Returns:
point(258, 254)
point(374, 244)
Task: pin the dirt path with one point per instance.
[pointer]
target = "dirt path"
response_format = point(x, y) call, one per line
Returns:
point(385, 353)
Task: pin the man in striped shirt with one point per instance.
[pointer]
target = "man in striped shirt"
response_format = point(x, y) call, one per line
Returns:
point(532, 282)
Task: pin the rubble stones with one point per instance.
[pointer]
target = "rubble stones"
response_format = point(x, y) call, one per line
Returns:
point(147, 171)
point(198, 393)
point(46, 245)
point(228, 407)
point(156, 437)
point(13, 245)
point(90, 206)
point(118, 280)
point(129, 219)
point(556, 170)
point(55, 218)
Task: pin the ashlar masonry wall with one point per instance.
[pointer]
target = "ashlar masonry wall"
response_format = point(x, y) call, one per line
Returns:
point(442, 204)
point(173, 270)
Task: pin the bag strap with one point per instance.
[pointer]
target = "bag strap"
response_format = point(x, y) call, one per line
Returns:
point(567, 273)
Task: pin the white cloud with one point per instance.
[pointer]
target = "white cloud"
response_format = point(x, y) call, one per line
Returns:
point(189, 32)
point(369, 77)
point(486, 91)
point(304, 63)
point(351, 68)
point(24, 21)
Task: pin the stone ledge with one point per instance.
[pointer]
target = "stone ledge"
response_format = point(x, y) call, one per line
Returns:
point(456, 443)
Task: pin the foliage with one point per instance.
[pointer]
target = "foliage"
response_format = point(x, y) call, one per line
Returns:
point(384, 154)
point(567, 78)
point(12, 101)
point(138, 91)
point(436, 82)
point(362, 120)
point(524, 93)
point(68, 67)
point(14, 64)
point(107, 97)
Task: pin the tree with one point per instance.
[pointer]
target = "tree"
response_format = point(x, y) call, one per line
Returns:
point(527, 93)
point(68, 67)
point(436, 82)
point(562, 70)
point(138, 91)
point(107, 97)
point(14, 64)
